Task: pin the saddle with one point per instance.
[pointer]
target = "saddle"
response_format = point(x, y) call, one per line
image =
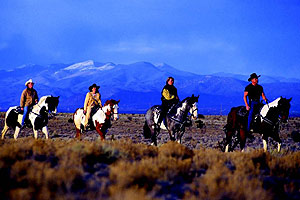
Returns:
point(90, 124)
point(19, 111)
point(243, 113)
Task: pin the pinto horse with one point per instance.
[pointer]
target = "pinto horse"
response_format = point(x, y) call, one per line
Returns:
point(101, 118)
point(267, 123)
point(175, 121)
point(38, 117)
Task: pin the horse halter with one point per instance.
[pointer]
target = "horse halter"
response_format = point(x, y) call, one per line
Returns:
point(192, 114)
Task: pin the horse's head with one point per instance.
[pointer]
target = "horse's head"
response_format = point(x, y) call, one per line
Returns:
point(284, 108)
point(51, 104)
point(114, 108)
point(193, 103)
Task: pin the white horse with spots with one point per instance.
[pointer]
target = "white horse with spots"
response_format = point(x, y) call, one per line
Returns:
point(100, 119)
point(38, 117)
point(175, 121)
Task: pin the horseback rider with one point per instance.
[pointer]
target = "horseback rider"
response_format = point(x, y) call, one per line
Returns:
point(92, 99)
point(253, 91)
point(169, 97)
point(28, 99)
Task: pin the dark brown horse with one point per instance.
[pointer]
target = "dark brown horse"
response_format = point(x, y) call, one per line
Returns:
point(267, 123)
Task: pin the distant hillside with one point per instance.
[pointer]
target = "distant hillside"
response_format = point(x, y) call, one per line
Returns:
point(137, 85)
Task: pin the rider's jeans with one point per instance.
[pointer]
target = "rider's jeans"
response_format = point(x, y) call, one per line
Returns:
point(253, 105)
point(24, 114)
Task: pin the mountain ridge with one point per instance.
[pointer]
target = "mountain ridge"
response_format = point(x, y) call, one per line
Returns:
point(137, 85)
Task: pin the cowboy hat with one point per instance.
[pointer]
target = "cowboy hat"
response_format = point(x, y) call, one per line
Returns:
point(94, 85)
point(29, 81)
point(252, 76)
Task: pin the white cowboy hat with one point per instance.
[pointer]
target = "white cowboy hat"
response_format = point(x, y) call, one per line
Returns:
point(29, 81)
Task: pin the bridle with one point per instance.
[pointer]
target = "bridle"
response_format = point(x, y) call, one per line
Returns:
point(192, 114)
point(272, 122)
point(186, 118)
point(49, 114)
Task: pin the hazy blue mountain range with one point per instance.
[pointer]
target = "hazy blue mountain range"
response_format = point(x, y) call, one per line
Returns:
point(137, 85)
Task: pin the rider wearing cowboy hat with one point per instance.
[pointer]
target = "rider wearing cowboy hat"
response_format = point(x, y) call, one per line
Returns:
point(253, 91)
point(29, 97)
point(93, 98)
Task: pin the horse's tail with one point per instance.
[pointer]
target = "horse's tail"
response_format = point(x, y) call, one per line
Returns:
point(146, 131)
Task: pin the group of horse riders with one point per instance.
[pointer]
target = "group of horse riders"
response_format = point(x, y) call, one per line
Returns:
point(169, 98)
point(29, 98)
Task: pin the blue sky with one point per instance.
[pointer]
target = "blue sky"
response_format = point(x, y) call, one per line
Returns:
point(203, 37)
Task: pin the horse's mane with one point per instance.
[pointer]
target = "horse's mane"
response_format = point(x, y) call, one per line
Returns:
point(266, 107)
point(179, 104)
point(275, 102)
point(43, 99)
point(111, 102)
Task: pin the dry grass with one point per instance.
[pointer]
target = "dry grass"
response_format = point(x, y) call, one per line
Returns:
point(126, 167)
point(71, 169)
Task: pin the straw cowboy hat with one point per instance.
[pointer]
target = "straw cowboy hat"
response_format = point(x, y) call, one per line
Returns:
point(252, 76)
point(29, 81)
point(94, 85)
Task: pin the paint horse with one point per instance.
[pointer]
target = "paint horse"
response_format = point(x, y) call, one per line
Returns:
point(37, 117)
point(267, 123)
point(175, 121)
point(101, 119)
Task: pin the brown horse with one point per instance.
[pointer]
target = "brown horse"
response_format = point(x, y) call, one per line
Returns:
point(267, 123)
point(100, 120)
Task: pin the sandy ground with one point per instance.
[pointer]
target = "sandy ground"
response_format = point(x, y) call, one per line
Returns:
point(130, 126)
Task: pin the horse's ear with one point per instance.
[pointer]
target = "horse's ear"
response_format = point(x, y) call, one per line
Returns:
point(118, 101)
point(58, 97)
point(290, 99)
point(193, 96)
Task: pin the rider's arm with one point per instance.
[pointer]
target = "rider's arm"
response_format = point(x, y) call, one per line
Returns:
point(264, 97)
point(245, 100)
point(36, 98)
point(99, 101)
point(86, 101)
point(23, 99)
point(167, 94)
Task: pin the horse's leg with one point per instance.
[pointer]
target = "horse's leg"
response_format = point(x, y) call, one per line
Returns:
point(229, 134)
point(230, 128)
point(265, 145)
point(278, 140)
point(98, 129)
point(265, 142)
point(78, 133)
point(35, 133)
point(172, 138)
point(5, 129)
point(242, 139)
point(278, 147)
point(179, 136)
point(45, 131)
point(154, 139)
point(17, 131)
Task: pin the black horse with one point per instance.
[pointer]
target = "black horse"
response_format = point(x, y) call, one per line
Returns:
point(267, 123)
point(175, 121)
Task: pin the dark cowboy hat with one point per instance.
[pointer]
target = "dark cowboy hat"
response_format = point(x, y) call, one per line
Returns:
point(252, 76)
point(94, 85)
